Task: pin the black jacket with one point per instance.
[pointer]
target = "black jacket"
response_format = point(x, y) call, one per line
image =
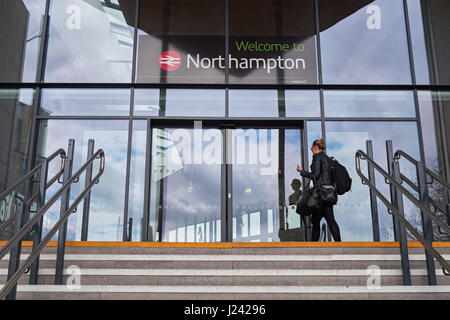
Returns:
point(320, 170)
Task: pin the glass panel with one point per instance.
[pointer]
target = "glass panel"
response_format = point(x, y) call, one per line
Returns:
point(430, 121)
point(180, 102)
point(272, 42)
point(20, 34)
point(107, 198)
point(274, 103)
point(302, 103)
point(375, 104)
point(137, 179)
point(314, 130)
point(181, 41)
point(418, 41)
point(99, 102)
point(434, 118)
point(16, 114)
point(437, 38)
point(364, 42)
point(253, 103)
point(353, 211)
point(90, 41)
point(185, 184)
point(265, 184)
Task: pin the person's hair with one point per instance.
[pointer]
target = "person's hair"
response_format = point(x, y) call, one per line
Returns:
point(320, 143)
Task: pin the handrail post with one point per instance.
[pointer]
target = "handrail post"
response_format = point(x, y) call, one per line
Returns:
point(65, 198)
point(397, 200)
point(87, 200)
point(37, 229)
point(427, 225)
point(447, 208)
point(373, 197)
point(14, 255)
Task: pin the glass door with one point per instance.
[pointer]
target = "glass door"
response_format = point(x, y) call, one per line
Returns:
point(265, 185)
point(225, 181)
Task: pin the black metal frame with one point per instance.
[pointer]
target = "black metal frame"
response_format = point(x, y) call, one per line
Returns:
point(40, 85)
point(223, 124)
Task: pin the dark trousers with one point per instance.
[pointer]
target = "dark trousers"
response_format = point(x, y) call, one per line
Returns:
point(327, 213)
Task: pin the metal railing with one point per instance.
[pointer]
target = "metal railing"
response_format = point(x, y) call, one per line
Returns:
point(26, 178)
point(395, 207)
point(15, 272)
point(434, 177)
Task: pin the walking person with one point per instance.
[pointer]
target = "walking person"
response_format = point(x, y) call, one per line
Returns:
point(321, 175)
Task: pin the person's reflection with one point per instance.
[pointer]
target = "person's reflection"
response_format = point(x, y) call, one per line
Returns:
point(200, 234)
point(296, 185)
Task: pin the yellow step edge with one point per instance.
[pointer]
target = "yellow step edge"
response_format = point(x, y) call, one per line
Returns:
point(235, 244)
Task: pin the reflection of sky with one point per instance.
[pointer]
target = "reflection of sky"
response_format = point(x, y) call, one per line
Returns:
point(106, 211)
point(344, 138)
point(100, 51)
point(86, 102)
point(394, 104)
point(351, 53)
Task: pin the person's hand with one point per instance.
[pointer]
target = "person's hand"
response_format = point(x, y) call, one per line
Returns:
point(299, 169)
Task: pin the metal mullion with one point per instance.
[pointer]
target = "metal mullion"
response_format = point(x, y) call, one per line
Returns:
point(147, 186)
point(352, 87)
point(135, 39)
point(227, 62)
point(128, 167)
point(319, 66)
point(413, 78)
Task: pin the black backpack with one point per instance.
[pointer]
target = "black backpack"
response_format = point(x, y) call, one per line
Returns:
point(342, 180)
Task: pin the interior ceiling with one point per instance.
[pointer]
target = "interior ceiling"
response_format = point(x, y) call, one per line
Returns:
point(257, 18)
point(249, 17)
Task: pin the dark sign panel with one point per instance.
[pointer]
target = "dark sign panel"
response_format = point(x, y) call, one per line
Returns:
point(262, 60)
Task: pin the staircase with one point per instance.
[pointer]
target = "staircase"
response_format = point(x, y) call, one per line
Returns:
point(232, 271)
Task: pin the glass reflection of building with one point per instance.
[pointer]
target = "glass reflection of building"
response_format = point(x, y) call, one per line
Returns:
point(82, 69)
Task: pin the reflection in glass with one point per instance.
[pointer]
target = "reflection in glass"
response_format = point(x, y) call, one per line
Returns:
point(382, 104)
point(353, 212)
point(418, 43)
point(302, 103)
point(253, 103)
point(272, 42)
point(263, 184)
point(137, 180)
point(107, 198)
point(21, 27)
point(171, 31)
point(107, 102)
point(90, 41)
point(180, 102)
point(16, 114)
point(364, 42)
point(185, 186)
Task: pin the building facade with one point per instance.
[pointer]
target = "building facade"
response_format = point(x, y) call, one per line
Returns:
point(205, 108)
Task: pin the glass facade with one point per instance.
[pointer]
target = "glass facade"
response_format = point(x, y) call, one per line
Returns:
point(204, 108)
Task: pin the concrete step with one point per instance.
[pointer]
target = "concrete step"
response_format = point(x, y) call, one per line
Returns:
point(286, 277)
point(140, 272)
point(240, 292)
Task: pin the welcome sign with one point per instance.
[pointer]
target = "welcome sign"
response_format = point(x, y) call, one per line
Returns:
point(262, 60)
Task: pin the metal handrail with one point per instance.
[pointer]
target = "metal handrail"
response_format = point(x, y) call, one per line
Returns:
point(360, 155)
point(12, 282)
point(416, 188)
point(60, 152)
point(400, 153)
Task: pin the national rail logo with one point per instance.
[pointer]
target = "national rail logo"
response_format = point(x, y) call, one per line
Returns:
point(169, 60)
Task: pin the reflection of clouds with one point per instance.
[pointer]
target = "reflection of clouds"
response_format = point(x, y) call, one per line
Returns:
point(107, 197)
point(353, 54)
point(92, 53)
point(344, 139)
